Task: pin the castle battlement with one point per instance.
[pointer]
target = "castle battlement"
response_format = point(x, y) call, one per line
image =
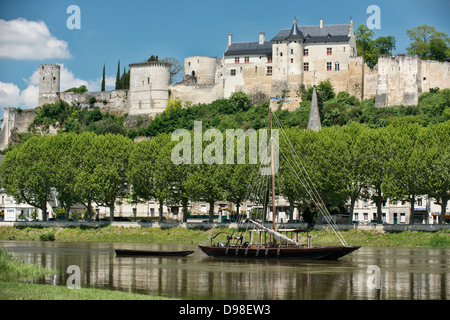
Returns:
point(296, 57)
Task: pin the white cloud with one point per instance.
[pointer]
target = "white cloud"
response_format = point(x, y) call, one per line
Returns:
point(9, 94)
point(21, 39)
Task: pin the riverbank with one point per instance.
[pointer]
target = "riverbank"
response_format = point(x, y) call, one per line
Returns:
point(13, 270)
point(182, 235)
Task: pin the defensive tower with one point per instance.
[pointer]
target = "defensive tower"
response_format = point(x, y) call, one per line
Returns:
point(49, 84)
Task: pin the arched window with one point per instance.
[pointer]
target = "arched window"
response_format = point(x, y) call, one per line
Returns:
point(336, 66)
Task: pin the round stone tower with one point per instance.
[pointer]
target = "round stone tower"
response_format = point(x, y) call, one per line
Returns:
point(202, 68)
point(49, 84)
point(149, 87)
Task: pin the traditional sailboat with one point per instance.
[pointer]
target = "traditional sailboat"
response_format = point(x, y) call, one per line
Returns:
point(270, 243)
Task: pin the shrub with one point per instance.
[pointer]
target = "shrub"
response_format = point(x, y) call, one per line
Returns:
point(438, 240)
point(50, 236)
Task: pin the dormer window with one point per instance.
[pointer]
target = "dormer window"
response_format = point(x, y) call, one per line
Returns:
point(308, 36)
point(329, 35)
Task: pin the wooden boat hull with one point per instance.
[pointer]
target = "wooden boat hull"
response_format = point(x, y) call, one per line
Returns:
point(124, 252)
point(297, 253)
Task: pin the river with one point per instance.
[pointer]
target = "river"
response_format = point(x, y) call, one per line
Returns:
point(369, 273)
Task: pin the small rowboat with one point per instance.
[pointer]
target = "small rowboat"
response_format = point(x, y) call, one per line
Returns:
point(124, 252)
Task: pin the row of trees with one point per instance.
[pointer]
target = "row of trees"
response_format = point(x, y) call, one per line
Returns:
point(425, 41)
point(345, 164)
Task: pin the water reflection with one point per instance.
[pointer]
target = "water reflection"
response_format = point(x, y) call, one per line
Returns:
point(405, 273)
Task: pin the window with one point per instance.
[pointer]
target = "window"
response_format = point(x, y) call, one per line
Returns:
point(269, 71)
point(247, 59)
point(233, 72)
point(336, 66)
point(402, 217)
point(329, 51)
point(203, 208)
point(329, 66)
point(306, 66)
point(256, 69)
point(292, 51)
point(356, 217)
point(419, 202)
point(269, 58)
point(366, 216)
point(281, 54)
point(305, 52)
point(292, 60)
point(236, 60)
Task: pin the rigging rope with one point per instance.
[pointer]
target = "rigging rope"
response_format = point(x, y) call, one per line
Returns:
point(308, 185)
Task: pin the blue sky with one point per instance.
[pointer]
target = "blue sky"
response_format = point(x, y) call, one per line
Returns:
point(133, 30)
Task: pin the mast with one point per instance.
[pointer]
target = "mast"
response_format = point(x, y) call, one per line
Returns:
point(273, 171)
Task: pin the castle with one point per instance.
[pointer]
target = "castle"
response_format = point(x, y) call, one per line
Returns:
point(264, 69)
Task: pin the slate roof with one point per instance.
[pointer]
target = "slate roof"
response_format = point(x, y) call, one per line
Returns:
point(295, 33)
point(328, 33)
point(240, 48)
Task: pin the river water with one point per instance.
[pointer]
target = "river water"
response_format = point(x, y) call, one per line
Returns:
point(369, 273)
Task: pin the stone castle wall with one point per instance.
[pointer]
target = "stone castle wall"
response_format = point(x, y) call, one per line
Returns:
point(396, 80)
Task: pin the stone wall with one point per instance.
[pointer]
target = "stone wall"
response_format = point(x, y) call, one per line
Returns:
point(14, 121)
point(114, 102)
point(402, 78)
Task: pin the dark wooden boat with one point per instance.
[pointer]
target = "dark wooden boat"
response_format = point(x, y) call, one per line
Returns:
point(266, 252)
point(125, 252)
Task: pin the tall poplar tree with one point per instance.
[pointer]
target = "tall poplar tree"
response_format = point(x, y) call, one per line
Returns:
point(103, 79)
point(118, 82)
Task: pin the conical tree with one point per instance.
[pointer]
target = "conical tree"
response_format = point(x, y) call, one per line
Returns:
point(103, 79)
point(118, 84)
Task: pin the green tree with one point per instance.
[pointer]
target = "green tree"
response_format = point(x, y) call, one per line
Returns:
point(148, 171)
point(240, 101)
point(375, 144)
point(153, 58)
point(125, 79)
point(26, 173)
point(103, 79)
point(436, 171)
point(428, 43)
point(118, 84)
point(289, 184)
point(109, 179)
point(371, 49)
point(366, 46)
point(354, 160)
point(85, 183)
point(65, 162)
point(385, 45)
point(405, 178)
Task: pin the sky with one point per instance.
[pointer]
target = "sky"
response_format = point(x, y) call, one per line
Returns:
point(34, 32)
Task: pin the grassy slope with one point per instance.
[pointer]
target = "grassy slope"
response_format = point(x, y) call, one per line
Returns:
point(197, 236)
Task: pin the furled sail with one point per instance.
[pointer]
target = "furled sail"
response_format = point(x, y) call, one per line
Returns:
point(276, 234)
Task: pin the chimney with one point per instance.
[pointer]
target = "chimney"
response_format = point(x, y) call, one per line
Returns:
point(262, 37)
point(230, 39)
point(321, 23)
